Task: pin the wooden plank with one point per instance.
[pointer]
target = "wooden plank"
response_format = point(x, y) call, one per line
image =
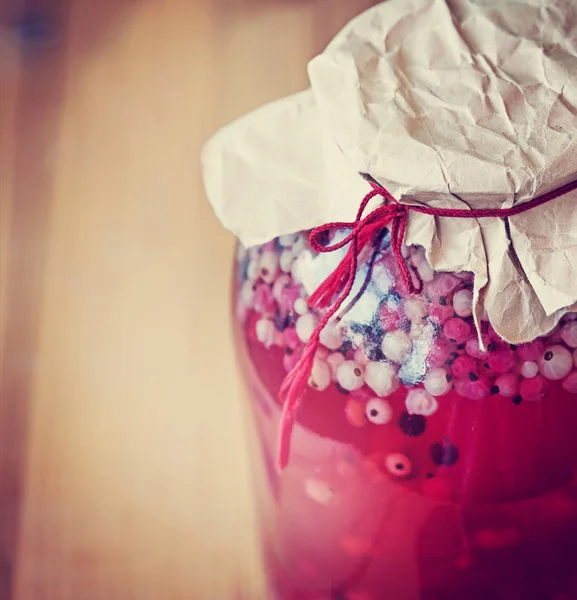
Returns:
point(121, 382)
point(30, 104)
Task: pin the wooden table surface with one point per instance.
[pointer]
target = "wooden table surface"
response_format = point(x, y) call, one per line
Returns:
point(123, 471)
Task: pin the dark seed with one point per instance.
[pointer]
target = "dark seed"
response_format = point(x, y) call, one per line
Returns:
point(494, 389)
point(444, 454)
point(448, 377)
point(548, 355)
point(461, 346)
point(399, 466)
point(374, 412)
point(473, 377)
point(443, 300)
point(491, 346)
point(513, 347)
point(412, 425)
point(517, 399)
point(264, 272)
point(288, 351)
point(281, 322)
point(358, 372)
point(486, 365)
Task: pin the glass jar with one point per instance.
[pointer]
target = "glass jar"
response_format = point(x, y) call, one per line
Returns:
point(424, 465)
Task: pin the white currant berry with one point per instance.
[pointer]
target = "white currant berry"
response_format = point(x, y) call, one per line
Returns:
point(299, 245)
point(320, 376)
point(305, 326)
point(378, 411)
point(569, 334)
point(529, 369)
point(381, 378)
point(252, 270)
point(286, 241)
point(399, 465)
point(300, 306)
point(286, 260)
point(331, 336)
point(334, 361)
point(319, 491)
point(396, 345)
point(241, 252)
point(556, 362)
point(268, 266)
point(415, 309)
point(463, 303)
point(437, 382)
point(420, 402)
point(247, 293)
point(350, 375)
point(266, 332)
point(426, 272)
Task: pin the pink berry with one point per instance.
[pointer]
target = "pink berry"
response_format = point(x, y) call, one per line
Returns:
point(440, 314)
point(263, 299)
point(533, 389)
point(439, 354)
point(531, 351)
point(335, 360)
point(463, 366)
point(507, 385)
point(569, 334)
point(473, 348)
point(575, 358)
point(495, 337)
point(390, 317)
point(502, 360)
point(473, 390)
point(570, 382)
point(361, 357)
point(290, 338)
point(555, 336)
point(355, 412)
point(322, 353)
point(556, 362)
point(457, 330)
point(442, 287)
point(285, 293)
point(281, 282)
point(290, 359)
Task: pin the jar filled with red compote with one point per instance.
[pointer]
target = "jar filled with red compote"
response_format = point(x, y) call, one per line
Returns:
point(422, 466)
point(405, 303)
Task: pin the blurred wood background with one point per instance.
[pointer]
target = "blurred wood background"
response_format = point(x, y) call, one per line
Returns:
point(123, 472)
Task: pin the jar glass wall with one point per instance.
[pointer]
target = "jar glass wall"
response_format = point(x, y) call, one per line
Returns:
point(424, 465)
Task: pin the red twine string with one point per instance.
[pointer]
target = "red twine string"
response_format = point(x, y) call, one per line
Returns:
point(362, 232)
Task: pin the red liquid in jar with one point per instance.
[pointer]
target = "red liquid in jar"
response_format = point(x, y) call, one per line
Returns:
point(453, 479)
